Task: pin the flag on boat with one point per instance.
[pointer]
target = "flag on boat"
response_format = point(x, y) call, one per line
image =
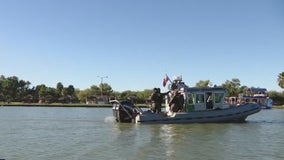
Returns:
point(165, 80)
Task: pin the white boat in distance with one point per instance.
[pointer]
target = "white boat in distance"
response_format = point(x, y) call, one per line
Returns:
point(201, 105)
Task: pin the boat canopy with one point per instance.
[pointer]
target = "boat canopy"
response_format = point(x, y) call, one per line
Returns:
point(252, 89)
point(205, 89)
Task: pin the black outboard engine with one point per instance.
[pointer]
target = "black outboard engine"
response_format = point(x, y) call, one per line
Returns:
point(124, 111)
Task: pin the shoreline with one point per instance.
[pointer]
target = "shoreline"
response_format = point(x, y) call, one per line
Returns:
point(53, 105)
point(14, 104)
point(17, 104)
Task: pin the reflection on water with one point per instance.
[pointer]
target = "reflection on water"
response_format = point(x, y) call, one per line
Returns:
point(258, 138)
point(89, 133)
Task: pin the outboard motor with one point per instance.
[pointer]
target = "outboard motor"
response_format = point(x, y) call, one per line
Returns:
point(124, 111)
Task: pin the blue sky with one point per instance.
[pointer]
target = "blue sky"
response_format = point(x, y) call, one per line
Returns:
point(136, 42)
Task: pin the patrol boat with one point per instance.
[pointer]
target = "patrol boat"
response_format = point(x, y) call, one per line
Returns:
point(201, 105)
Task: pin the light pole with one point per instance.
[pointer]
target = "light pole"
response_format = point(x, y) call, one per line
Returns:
point(102, 79)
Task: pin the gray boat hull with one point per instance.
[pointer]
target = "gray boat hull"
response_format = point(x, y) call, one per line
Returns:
point(232, 114)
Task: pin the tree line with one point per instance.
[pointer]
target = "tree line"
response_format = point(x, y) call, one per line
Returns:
point(13, 89)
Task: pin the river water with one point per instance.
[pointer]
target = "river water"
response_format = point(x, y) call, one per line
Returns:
point(45, 133)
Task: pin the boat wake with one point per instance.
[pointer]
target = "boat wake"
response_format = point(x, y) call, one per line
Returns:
point(266, 121)
point(109, 119)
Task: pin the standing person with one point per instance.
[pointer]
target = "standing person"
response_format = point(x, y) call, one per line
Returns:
point(157, 99)
point(160, 99)
point(154, 100)
point(177, 102)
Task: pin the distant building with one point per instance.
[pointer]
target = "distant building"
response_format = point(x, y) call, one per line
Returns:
point(97, 100)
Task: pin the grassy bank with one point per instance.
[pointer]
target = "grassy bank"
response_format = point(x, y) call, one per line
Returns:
point(278, 107)
point(18, 104)
point(12, 104)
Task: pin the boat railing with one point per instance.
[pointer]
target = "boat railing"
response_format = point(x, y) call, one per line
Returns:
point(126, 106)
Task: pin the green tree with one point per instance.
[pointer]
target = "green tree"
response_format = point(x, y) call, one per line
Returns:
point(70, 90)
point(233, 87)
point(242, 89)
point(10, 88)
point(125, 94)
point(202, 83)
point(94, 90)
point(105, 89)
point(1, 91)
point(59, 87)
point(83, 94)
point(41, 90)
point(278, 97)
point(51, 95)
point(2, 95)
point(281, 80)
point(23, 89)
point(142, 96)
